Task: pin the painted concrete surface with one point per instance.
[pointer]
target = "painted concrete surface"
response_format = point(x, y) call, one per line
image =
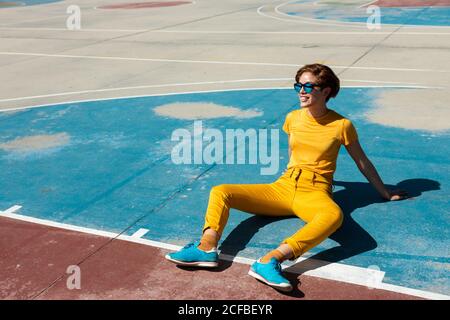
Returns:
point(119, 176)
point(221, 45)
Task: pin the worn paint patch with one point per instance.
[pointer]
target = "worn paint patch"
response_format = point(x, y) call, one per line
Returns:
point(415, 109)
point(196, 111)
point(36, 143)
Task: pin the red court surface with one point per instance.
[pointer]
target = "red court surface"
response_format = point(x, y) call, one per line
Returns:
point(35, 259)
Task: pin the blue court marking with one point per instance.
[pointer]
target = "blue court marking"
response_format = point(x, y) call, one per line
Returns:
point(28, 2)
point(115, 174)
point(427, 16)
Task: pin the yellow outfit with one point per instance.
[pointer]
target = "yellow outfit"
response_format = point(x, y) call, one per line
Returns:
point(304, 189)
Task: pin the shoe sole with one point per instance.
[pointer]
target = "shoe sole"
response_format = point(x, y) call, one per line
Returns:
point(206, 264)
point(281, 287)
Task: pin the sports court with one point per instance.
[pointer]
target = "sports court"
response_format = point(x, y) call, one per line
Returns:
point(86, 119)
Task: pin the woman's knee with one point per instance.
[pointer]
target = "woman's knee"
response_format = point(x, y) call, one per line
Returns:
point(222, 190)
point(336, 217)
point(219, 188)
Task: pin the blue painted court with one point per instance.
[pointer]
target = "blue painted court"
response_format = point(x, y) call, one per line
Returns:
point(107, 165)
point(405, 15)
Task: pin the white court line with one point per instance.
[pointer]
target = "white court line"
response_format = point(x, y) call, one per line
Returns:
point(68, 30)
point(11, 210)
point(317, 21)
point(140, 87)
point(333, 271)
point(299, 20)
point(234, 32)
point(297, 32)
point(266, 64)
point(51, 95)
point(192, 92)
point(140, 233)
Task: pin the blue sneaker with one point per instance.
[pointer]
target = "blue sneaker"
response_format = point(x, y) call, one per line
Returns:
point(191, 256)
point(270, 273)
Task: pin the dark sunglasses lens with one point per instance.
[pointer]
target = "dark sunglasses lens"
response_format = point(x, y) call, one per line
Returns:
point(308, 88)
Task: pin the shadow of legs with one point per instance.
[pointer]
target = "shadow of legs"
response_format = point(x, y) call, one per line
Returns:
point(352, 238)
point(238, 239)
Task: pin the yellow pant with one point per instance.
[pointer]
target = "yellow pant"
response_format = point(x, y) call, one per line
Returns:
point(304, 194)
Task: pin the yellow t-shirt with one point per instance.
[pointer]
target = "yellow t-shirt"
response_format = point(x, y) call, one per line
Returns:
point(315, 142)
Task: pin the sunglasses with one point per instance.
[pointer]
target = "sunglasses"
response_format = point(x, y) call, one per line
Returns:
point(309, 87)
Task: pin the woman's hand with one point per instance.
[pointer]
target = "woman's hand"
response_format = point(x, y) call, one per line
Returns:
point(395, 195)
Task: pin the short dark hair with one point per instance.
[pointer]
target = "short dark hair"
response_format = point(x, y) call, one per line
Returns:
point(325, 77)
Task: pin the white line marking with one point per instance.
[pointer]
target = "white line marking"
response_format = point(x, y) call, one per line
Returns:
point(140, 233)
point(319, 21)
point(146, 59)
point(234, 32)
point(413, 292)
point(141, 87)
point(307, 21)
point(58, 224)
point(265, 64)
point(199, 91)
point(11, 210)
point(298, 32)
point(340, 272)
point(383, 82)
point(415, 85)
point(334, 271)
point(68, 30)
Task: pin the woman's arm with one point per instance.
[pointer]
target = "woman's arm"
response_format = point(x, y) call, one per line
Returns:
point(368, 170)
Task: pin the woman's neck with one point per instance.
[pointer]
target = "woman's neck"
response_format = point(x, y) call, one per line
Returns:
point(317, 112)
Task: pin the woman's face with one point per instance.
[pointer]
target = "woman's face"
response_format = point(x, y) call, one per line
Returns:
point(317, 97)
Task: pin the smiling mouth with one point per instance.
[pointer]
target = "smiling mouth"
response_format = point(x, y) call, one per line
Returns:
point(304, 98)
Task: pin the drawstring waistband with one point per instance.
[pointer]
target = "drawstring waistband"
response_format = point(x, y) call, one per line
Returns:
point(296, 173)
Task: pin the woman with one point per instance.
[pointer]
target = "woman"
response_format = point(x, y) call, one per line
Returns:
point(315, 135)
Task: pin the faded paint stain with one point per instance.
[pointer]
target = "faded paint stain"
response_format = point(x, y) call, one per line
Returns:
point(197, 111)
point(36, 143)
point(415, 109)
